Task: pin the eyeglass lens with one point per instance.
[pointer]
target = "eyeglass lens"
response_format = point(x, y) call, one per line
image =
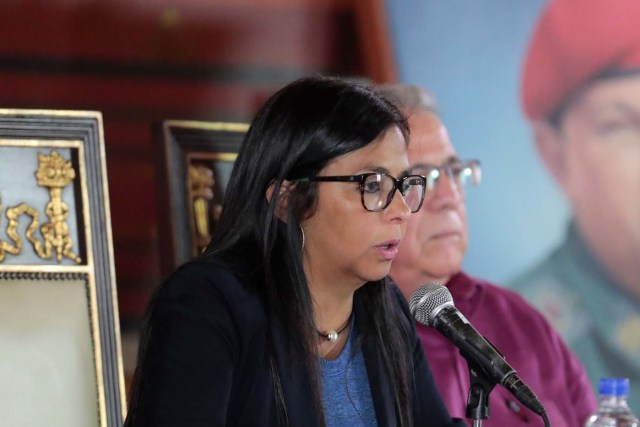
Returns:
point(378, 191)
point(458, 173)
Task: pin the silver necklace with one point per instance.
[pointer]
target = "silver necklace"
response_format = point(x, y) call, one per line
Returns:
point(333, 335)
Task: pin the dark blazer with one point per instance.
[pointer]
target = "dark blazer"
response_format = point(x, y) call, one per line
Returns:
point(206, 362)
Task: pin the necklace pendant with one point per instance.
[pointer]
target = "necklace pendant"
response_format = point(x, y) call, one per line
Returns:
point(332, 336)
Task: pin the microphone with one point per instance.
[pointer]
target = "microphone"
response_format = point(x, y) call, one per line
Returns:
point(432, 305)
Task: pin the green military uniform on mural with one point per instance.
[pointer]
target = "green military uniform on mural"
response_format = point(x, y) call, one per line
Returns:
point(599, 320)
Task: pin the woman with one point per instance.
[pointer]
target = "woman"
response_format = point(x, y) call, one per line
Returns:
point(288, 319)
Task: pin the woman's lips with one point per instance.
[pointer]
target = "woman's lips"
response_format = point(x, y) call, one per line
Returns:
point(388, 249)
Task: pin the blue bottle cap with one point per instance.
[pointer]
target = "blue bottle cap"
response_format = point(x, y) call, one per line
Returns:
point(607, 386)
point(622, 386)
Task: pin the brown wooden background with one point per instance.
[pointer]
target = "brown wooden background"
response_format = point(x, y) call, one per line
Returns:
point(144, 61)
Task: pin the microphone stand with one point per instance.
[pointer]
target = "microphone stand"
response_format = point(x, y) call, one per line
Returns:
point(478, 399)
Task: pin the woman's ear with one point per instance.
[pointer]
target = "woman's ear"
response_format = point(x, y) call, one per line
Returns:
point(283, 198)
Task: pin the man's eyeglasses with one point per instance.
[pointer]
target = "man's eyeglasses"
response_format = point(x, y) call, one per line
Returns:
point(459, 173)
point(377, 189)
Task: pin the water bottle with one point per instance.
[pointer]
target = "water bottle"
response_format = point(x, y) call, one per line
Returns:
point(623, 414)
point(613, 410)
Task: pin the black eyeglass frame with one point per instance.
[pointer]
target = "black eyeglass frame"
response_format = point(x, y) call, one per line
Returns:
point(397, 185)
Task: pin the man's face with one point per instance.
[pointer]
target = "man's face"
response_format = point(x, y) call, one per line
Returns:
point(599, 168)
point(436, 237)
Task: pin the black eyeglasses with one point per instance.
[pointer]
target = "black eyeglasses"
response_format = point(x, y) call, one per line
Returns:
point(459, 172)
point(377, 189)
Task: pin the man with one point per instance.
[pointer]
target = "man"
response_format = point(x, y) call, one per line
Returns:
point(581, 92)
point(433, 250)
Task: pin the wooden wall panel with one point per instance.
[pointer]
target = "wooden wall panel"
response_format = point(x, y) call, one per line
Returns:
point(143, 62)
point(298, 34)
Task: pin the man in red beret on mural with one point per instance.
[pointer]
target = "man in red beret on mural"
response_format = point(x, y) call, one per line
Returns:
point(581, 93)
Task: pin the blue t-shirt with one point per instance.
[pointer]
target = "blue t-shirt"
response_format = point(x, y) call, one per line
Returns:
point(346, 394)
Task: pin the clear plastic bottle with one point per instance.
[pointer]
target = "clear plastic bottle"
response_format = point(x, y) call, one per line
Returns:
point(623, 414)
point(613, 410)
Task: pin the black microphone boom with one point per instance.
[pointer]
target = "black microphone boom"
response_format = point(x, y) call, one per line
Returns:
point(432, 305)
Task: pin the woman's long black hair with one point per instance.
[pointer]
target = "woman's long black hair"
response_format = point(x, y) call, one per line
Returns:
point(295, 134)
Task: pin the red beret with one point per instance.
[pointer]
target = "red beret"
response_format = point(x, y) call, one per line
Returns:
point(575, 41)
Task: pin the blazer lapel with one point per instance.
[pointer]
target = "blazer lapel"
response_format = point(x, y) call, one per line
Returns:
point(295, 383)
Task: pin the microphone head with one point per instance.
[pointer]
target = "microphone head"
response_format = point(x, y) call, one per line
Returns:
point(427, 301)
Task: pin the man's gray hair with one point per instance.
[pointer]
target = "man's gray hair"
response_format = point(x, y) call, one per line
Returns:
point(408, 98)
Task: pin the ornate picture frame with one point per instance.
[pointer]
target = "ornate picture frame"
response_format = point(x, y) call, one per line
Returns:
point(194, 165)
point(61, 360)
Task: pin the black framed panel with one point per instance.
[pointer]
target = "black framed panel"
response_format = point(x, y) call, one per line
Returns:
point(58, 306)
point(195, 163)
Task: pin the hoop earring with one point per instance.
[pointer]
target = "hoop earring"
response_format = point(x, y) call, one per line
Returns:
point(302, 246)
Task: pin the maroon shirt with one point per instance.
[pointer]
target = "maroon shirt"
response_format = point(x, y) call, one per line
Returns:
point(530, 345)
